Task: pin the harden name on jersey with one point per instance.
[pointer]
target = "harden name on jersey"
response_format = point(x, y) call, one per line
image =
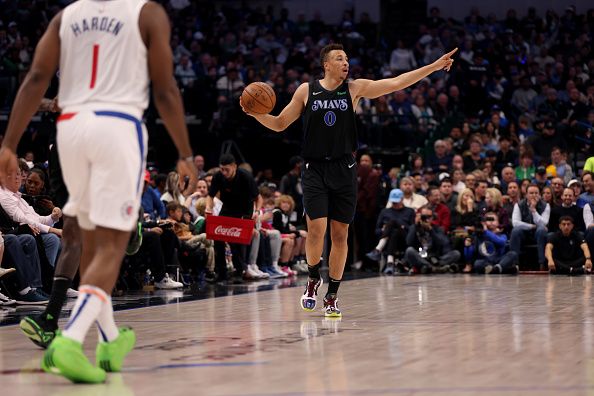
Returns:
point(99, 24)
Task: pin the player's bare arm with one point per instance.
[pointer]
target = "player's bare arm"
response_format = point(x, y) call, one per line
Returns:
point(362, 88)
point(30, 94)
point(288, 115)
point(155, 30)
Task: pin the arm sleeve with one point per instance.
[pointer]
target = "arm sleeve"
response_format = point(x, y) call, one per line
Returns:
point(517, 219)
point(542, 219)
point(498, 239)
point(17, 215)
point(588, 217)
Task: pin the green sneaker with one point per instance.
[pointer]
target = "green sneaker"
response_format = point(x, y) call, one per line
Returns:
point(38, 330)
point(65, 357)
point(110, 355)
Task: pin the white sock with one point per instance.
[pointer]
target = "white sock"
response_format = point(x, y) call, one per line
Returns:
point(381, 244)
point(106, 327)
point(390, 259)
point(89, 303)
point(25, 291)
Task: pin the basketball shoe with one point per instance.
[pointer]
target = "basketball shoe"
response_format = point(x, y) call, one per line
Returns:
point(38, 329)
point(331, 307)
point(308, 299)
point(65, 357)
point(110, 355)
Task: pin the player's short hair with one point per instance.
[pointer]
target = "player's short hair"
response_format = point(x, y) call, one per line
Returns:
point(326, 50)
point(227, 159)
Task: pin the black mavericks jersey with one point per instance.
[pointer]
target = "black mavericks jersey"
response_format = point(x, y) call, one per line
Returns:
point(329, 123)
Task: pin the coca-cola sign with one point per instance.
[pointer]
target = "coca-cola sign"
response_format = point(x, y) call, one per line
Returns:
point(229, 229)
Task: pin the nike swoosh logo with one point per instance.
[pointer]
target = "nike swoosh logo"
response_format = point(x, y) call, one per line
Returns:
point(351, 165)
point(341, 93)
point(317, 93)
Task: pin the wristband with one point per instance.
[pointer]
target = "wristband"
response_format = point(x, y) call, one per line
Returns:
point(587, 258)
point(190, 158)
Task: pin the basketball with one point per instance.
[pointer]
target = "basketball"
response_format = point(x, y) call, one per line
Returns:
point(258, 98)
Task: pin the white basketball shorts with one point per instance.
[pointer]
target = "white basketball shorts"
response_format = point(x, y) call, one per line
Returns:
point(103, 156)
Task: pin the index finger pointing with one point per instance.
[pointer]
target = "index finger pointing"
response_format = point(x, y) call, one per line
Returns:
point(452, 52)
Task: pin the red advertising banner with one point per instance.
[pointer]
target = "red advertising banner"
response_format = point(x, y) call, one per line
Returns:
point(229, 229)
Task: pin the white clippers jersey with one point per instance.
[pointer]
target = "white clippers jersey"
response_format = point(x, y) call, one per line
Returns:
point(103, 59)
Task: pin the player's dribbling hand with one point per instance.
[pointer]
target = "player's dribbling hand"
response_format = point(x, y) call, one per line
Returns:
point(8, 164)
point(446, 61)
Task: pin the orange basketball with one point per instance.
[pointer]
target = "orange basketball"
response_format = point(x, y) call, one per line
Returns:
point(258, 98)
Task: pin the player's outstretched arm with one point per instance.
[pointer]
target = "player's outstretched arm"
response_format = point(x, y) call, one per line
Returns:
point(362, 88)
point(30, 94)
point(155, 29)
point(289, 114)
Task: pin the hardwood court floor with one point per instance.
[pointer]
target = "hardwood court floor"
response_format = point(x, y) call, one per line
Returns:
point(446, 335)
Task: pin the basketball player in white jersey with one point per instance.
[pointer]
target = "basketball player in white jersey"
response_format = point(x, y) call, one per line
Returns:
point(106, 52)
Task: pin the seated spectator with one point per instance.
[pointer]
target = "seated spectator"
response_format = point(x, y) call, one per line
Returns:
point(391, 228)
point(567, 208)
point(548, 195)
point(173, 190)
point(411, 199)
point(490, 175)
point(558, 185)
point(488, 249)
point(587, 197)
point(21, 212)
point(561, 167)
point(440, 160)
point(448, 196)
point(189, 242)
point(506, 155)
point(541, 178)
point(511, 197)
point(151, 202)
point(494, 203)
point(293, 239)
point(576, 186)
point(480, 192)
point(36, 194)
point(458, 181)
point(566, 251)
point(441, 211)
point(428, 247)
point(526, 169)
point(200, 192)
point(473, 160)
point(529, 220)
point(507, 176)
point(544, 143)
point(270, 235)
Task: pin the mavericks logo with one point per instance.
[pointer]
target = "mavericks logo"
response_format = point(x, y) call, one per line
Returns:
point(338, 104)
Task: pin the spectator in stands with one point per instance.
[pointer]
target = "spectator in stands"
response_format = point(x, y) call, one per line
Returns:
point(488, 249)
point(558, 186)
point(566, 251)
point(36, 194)
point(417, 164)
point(441, 212)
point(494, 204)
point(544, 143)
point(541, 177)
point(448, 196)
point(490, 175)
point(440, 160)
point(173, 189)
point(464, 221)
point(507, 176)
point(480, 192)
point(458, 180)
point(199, 162)
point(576, 186)
point(290, 184)
point(473, 160)
point(567, 207)
point(526, 169)
point(548, 195)
point(22, 213)
point(522, 96)
point(411, 199)
point(368, 183)
point(184, 72)
point(151, 203)
point(511, 197)
point(391, 229)
point(200, 192)
point(561, 167)
point(457, 162)
point(587, 197)
point(428, 247)
point(529, 220)
point(506, 154)
point(402, 59)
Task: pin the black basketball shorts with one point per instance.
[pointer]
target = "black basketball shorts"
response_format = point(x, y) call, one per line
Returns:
point(330, 189)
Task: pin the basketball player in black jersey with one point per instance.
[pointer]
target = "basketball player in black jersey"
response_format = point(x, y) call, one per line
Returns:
point(330, 142)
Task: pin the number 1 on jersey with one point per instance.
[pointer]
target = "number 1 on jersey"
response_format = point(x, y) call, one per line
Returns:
point(95, 60)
